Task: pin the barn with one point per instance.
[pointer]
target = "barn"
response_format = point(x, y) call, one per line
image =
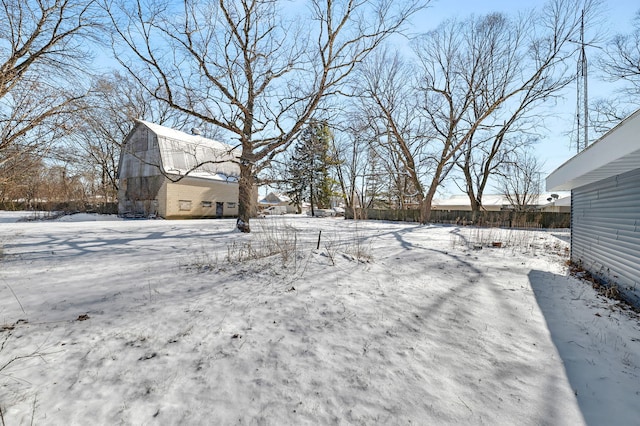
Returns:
point(175, 175)
point(604, 181)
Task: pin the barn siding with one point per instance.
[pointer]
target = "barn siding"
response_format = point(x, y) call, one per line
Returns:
point(140, 180)
point(140, 155)
point(137, 195)
point(605, 231)
point(197, 191)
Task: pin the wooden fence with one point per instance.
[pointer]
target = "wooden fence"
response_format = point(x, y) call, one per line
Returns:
point(502, 219)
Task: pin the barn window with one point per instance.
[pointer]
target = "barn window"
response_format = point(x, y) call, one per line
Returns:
point(206, 204)
point(231, 205)
point(185, 205)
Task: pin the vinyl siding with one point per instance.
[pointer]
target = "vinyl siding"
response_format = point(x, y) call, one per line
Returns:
point(140, 155)
point(605, 231)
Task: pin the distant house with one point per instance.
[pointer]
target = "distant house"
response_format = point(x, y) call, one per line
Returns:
point(276, 199)
point(174, 175)
point(495, 202)
point(604, 180)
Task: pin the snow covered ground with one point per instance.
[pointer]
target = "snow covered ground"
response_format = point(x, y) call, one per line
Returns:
point(188, 322)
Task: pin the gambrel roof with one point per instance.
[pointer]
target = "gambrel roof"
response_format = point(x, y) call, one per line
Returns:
point(181, 153)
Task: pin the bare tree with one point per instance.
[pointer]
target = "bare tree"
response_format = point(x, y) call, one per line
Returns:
point(43, 47)
point(620, 63)
point(478, 71)
point(515, 126)
point(20, 176)
point(351, 149)
point(475, 78)
point(622, 58)
point(520, 180)
point(390, 99)
point(502, 60)
point(251, 68)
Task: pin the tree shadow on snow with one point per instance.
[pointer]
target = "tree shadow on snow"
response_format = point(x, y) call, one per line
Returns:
point(121, 241)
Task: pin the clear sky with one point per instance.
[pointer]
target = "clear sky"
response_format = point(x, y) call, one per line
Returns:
point(616, 16)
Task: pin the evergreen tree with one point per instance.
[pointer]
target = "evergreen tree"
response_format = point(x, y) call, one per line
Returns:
point(308, 173)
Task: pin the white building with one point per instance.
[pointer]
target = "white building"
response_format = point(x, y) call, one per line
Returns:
point(604, 180)
point(549, 202)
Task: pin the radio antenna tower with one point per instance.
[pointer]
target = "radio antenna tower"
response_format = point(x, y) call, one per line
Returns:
point(582, 99)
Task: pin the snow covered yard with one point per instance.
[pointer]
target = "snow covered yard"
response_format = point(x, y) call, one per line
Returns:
point(189, 322)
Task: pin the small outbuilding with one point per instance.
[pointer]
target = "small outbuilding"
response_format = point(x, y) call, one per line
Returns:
point(604, 181)
point(175, 175)
point(278, 200)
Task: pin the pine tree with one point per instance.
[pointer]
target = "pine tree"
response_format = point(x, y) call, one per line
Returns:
point(308, 173)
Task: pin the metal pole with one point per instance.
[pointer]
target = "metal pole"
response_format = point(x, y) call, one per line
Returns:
point(585, 74)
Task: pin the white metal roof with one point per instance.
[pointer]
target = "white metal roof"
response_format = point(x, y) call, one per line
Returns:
point(462, 200)
point(274, 197)
point(617, 152)
point(500, 200)
point(181, 152)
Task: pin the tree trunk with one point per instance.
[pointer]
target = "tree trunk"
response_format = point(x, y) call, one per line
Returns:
point(313, 213)
point(246, 203)
point(474, 202)
point(425, 206)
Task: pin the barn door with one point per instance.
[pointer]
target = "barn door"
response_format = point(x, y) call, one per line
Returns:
point(219, 209)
